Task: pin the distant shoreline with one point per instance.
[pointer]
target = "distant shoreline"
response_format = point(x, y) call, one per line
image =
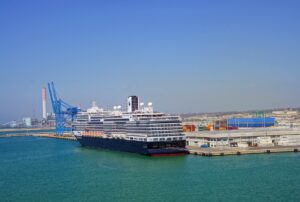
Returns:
point(25, 129)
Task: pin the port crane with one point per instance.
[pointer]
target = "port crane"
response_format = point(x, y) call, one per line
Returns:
point(62, 110)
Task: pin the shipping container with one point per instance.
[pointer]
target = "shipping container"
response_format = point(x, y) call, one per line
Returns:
point(202, 128)
point(188, 128)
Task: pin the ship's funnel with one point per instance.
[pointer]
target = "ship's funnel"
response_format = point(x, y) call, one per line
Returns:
point(132, 103)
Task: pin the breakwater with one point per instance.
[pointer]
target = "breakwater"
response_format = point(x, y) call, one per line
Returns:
point(45, 135)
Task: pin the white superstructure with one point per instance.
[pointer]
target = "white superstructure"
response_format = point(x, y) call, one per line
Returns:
point(137, 124)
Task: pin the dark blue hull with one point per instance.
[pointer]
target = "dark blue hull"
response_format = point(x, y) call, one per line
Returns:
point(145, 148)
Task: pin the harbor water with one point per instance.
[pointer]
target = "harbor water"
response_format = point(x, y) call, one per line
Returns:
point(42, 169)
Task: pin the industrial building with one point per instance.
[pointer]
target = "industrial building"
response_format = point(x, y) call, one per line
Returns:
point(230, 124)
point(245, 138)
point(27, 122)
point(251, 122)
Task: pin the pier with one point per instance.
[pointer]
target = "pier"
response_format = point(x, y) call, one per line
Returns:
point(241, 151)
point(246, 141)
point(66, 136)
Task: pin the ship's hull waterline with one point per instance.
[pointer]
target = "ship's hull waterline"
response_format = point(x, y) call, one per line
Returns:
point(172, 148)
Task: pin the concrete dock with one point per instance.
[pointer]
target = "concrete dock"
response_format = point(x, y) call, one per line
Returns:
point(241, 151)
point(46, 135)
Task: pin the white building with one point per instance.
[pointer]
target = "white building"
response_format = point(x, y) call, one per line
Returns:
point(251, 137)
point(27, 122)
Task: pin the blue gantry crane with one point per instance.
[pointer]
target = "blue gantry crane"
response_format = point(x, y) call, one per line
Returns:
point(61, 109)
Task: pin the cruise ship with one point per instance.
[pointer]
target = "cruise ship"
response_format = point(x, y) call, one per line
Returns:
point(138, 130)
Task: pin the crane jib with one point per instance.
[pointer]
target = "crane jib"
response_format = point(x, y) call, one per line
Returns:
point(62, 110)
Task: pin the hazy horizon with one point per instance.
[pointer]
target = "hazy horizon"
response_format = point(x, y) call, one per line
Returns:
point(184, 56)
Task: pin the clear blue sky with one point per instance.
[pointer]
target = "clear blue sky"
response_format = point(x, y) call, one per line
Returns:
point(184, 56)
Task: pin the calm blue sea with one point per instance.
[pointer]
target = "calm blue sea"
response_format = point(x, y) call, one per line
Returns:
point(41, 169)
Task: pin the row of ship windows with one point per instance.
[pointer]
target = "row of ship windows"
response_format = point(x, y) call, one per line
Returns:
point(139, 124)
point(139, 139)
point(126, 119)
point(137, 129)
point(154, 128)
point(168, 134)
point(150, 129)
point(130, 128)
point(133, 126)
point(129, 123)
point(132, 131)
point(154, 132)
point(156, 139)
point(155, 135)
point(168, 139)
point(152, 122)
point(151, 125)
